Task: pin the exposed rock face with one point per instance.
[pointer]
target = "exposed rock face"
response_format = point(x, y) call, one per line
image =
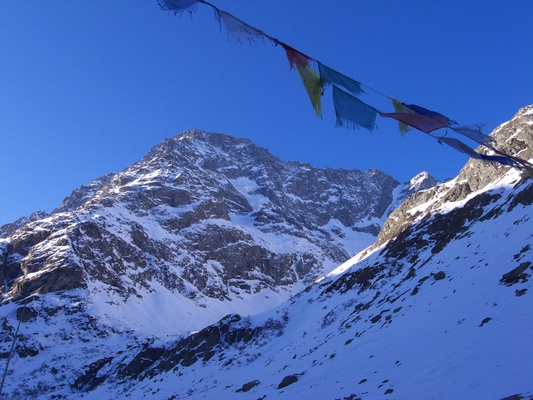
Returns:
point(514, 137)
point(203, 214)
point(7, 229)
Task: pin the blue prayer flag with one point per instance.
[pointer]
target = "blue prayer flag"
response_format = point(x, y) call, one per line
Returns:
point(458, 145)
point(328, 76)
point(352, 112)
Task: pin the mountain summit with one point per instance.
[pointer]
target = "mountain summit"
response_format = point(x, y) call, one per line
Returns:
point(205, 220)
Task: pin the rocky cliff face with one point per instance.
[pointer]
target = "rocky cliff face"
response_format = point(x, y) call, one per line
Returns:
point(203, 215)
point(514, 137)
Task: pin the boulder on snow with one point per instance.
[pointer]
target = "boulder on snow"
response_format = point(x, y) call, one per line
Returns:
point(288, 380)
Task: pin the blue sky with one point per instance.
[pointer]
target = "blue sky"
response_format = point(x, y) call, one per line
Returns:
point(87, 88)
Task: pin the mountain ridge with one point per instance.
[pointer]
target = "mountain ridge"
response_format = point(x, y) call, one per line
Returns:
point(202, 216)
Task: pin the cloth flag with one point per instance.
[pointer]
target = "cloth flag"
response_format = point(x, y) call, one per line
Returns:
point(352, 112)
point(474, 133)
point(400, 108)
point(177, 5)
point(330, 76)
point(295, 57)
point(425, 111)
point(311, 81)
point(424, 123)
point(237, 29)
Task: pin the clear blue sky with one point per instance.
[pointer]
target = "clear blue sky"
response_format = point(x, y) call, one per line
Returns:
point(88, 87)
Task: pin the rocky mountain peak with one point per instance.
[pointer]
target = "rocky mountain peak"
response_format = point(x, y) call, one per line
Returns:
point(422, 181)
point(202, 217)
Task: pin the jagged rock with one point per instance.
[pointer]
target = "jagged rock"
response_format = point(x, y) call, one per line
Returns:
point(8, 229)
point(26, 314)
point(90, 379)
point(141, 362)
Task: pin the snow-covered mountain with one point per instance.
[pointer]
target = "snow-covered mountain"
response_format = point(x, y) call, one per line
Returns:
point(209, 223)
point(437, 308)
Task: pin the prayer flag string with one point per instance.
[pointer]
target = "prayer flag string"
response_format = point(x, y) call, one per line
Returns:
point(350, 111)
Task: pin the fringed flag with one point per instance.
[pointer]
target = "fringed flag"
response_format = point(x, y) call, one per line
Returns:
point(311, 81)
point(177, 5)
point(330, 76)
point(352, 112)
point(238, 30)
point(474, 133)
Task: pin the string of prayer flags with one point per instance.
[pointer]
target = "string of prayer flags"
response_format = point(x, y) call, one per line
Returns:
point(177, 5)
point(330, 76)
point(352, 112)
point(237, 29)
point(474, 133)
point(311, 81)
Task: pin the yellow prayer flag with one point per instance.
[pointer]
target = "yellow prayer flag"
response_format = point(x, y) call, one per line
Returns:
point(400, 108)
point(311, 81)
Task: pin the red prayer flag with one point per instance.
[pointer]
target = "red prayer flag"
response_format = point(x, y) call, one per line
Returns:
point(295, 57)
point(424, 123)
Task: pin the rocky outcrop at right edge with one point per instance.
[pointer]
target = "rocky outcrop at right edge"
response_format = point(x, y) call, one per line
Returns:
point(514, 137)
